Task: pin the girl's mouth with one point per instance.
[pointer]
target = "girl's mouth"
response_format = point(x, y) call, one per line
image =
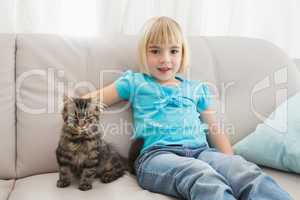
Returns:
point(164, 69)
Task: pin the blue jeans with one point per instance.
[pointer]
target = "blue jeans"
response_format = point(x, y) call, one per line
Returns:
point(204, 174)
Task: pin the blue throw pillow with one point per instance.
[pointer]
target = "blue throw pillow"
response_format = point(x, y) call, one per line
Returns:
point(276, 142)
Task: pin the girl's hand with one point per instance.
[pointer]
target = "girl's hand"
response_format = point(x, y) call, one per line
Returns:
point(217, 137)
point(107, 95)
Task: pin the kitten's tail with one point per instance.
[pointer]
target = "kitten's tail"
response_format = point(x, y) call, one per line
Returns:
point(125, 162)
point(134, 151)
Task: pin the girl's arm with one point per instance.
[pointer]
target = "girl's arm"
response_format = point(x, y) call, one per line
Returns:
point(107, 95)
point(216, 136)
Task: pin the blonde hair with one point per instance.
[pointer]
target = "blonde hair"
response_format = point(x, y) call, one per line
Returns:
point(162, 30)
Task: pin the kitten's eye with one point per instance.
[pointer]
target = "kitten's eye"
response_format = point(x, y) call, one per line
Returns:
point(90, 118)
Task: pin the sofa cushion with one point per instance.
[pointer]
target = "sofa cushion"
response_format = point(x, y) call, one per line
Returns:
point(44, 187)
point(297, 62)
point(276, 142)
point(47, 63)
point(7, 105)
point(288, 181)
point(42, 68)
point(5, 188)
point(254, 77)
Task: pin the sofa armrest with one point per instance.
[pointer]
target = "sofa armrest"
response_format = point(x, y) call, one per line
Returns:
point(297, 62)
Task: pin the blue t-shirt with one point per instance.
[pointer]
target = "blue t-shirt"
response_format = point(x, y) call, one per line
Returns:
point(165, 114)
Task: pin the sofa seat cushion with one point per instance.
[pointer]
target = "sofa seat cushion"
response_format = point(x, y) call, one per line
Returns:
point(5, 188)
point(44, 187)
point(288, 181)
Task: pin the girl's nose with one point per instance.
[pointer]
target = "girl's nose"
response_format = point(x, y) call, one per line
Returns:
point(165, 58)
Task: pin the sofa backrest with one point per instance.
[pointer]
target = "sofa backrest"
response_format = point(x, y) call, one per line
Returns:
point(254, 77)
point(45, 64)
point(7, 106)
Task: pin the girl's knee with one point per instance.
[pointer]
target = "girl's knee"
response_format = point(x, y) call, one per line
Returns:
point(241, 167)
point(242, 162)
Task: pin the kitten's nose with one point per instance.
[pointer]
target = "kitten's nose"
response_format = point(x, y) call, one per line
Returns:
point(81, 122)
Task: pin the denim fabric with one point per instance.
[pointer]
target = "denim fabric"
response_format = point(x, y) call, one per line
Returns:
point(204, 174)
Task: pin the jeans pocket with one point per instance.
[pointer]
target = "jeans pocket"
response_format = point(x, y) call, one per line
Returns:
point(140, 159)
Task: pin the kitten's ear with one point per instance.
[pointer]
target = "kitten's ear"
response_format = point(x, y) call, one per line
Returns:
point(98, 106)
point(66, 102)
point(101, 106)
point(67, 99)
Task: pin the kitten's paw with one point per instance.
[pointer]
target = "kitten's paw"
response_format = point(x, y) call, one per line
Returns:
point(85, 186)
point(62, 183)
point(107, 178)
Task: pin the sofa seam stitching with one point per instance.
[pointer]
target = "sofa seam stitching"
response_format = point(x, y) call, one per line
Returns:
point(15, 97)
point(11, 190)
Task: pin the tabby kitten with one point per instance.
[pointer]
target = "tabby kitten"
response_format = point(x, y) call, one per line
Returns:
point(81, 150)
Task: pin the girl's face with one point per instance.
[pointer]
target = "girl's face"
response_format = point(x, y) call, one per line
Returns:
point(164, 61)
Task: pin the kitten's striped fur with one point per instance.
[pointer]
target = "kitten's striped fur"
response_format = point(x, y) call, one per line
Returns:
point(81, 150)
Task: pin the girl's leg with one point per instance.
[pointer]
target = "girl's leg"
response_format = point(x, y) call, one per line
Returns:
point(185, 178)
point(246, 179)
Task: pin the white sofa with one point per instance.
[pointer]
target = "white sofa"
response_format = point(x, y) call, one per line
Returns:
point(34, 68)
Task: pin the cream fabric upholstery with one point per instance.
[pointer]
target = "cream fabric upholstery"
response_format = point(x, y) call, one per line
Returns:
point(250, 69)
point(44, 57)
point(7, 106)
point(43, 187)
point(5, 188)
point(44, 64)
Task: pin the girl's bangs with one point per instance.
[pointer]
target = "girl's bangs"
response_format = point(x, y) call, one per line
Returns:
point(164, 33)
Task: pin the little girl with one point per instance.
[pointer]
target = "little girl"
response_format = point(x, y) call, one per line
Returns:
point(175, 159)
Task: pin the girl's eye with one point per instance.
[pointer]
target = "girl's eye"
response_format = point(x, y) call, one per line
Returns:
point(174, 51)
point(154, 51)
